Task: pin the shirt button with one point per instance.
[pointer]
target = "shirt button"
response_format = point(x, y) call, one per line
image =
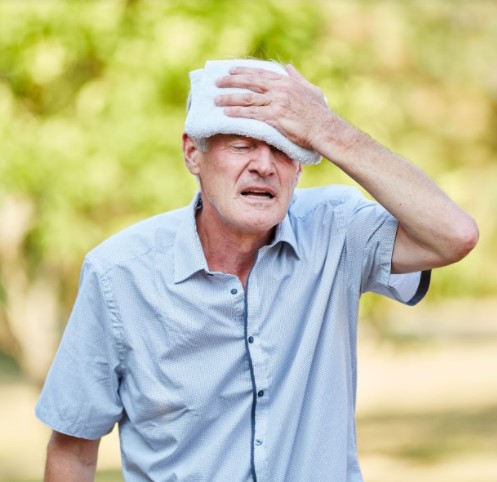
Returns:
point(260, 393)
point(258, 442)
point(251, 339)
point(234, 291)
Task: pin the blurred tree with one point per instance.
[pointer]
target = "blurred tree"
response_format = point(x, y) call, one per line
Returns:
point(92, 98)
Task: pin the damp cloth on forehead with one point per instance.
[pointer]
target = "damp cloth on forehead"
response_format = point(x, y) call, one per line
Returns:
point(205, 119)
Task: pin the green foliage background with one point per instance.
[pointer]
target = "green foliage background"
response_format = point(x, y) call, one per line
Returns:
point(92, 103)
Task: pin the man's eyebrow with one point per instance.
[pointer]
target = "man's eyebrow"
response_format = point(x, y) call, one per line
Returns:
point(242, 139)
point(236, 138)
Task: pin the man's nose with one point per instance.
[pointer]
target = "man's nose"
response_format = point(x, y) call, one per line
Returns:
point(262, 161)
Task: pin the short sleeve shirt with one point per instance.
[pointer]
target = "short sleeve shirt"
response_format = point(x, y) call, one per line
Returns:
point(209, 381)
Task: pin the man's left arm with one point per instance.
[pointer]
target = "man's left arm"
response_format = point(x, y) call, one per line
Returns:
point(433, 230)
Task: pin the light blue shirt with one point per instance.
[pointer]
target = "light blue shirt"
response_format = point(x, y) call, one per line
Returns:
point(211, 382)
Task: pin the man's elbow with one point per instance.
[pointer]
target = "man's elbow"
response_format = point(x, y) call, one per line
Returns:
point(463, 240)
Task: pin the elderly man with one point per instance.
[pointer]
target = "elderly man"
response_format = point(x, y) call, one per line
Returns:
point(221, 337)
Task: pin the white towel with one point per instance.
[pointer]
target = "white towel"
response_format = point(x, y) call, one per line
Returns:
point(205, 119)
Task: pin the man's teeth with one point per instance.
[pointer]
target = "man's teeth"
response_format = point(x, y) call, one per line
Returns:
point(258, 193)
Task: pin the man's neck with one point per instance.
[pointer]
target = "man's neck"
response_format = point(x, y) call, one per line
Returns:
point(228, 251)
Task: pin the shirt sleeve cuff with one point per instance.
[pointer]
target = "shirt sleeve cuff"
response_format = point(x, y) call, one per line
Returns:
point(409, 288)
point(424, 284)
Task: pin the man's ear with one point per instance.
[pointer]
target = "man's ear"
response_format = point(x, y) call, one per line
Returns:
point(191, 154)
point(299, 173)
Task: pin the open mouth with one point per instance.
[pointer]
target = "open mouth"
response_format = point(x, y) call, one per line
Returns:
point(257, 193)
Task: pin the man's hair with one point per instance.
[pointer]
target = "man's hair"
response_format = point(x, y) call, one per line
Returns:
point(202, 143)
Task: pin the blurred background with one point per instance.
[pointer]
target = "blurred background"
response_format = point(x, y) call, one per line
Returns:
point(92, 104)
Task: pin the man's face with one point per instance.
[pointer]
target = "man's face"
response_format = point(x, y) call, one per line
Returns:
point(246, 184)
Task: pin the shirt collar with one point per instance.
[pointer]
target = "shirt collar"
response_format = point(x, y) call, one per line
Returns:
point(284, 234)
point(188, 253)
point(189, 256)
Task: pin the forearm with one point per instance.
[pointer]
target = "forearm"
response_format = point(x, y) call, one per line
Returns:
point(70, 459)
point(68, 470)
point(426, 214)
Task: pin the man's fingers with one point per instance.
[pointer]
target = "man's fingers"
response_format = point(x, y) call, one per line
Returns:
point(244, 100)
point(268, 74)
point(250, 82)
point(257, 80)
point(250, 112)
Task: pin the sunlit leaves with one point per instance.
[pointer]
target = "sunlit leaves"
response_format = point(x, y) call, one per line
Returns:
point(92, 98)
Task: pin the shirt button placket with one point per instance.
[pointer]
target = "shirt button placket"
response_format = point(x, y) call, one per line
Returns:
point(261, 393)
point(259, 363)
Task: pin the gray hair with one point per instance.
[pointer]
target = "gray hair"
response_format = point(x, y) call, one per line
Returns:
point(202, 143)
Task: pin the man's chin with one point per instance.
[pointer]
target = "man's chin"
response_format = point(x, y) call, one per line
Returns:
point(260, 224)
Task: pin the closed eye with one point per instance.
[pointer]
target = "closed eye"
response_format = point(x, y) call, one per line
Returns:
point(241, 147)
point(279, 153)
